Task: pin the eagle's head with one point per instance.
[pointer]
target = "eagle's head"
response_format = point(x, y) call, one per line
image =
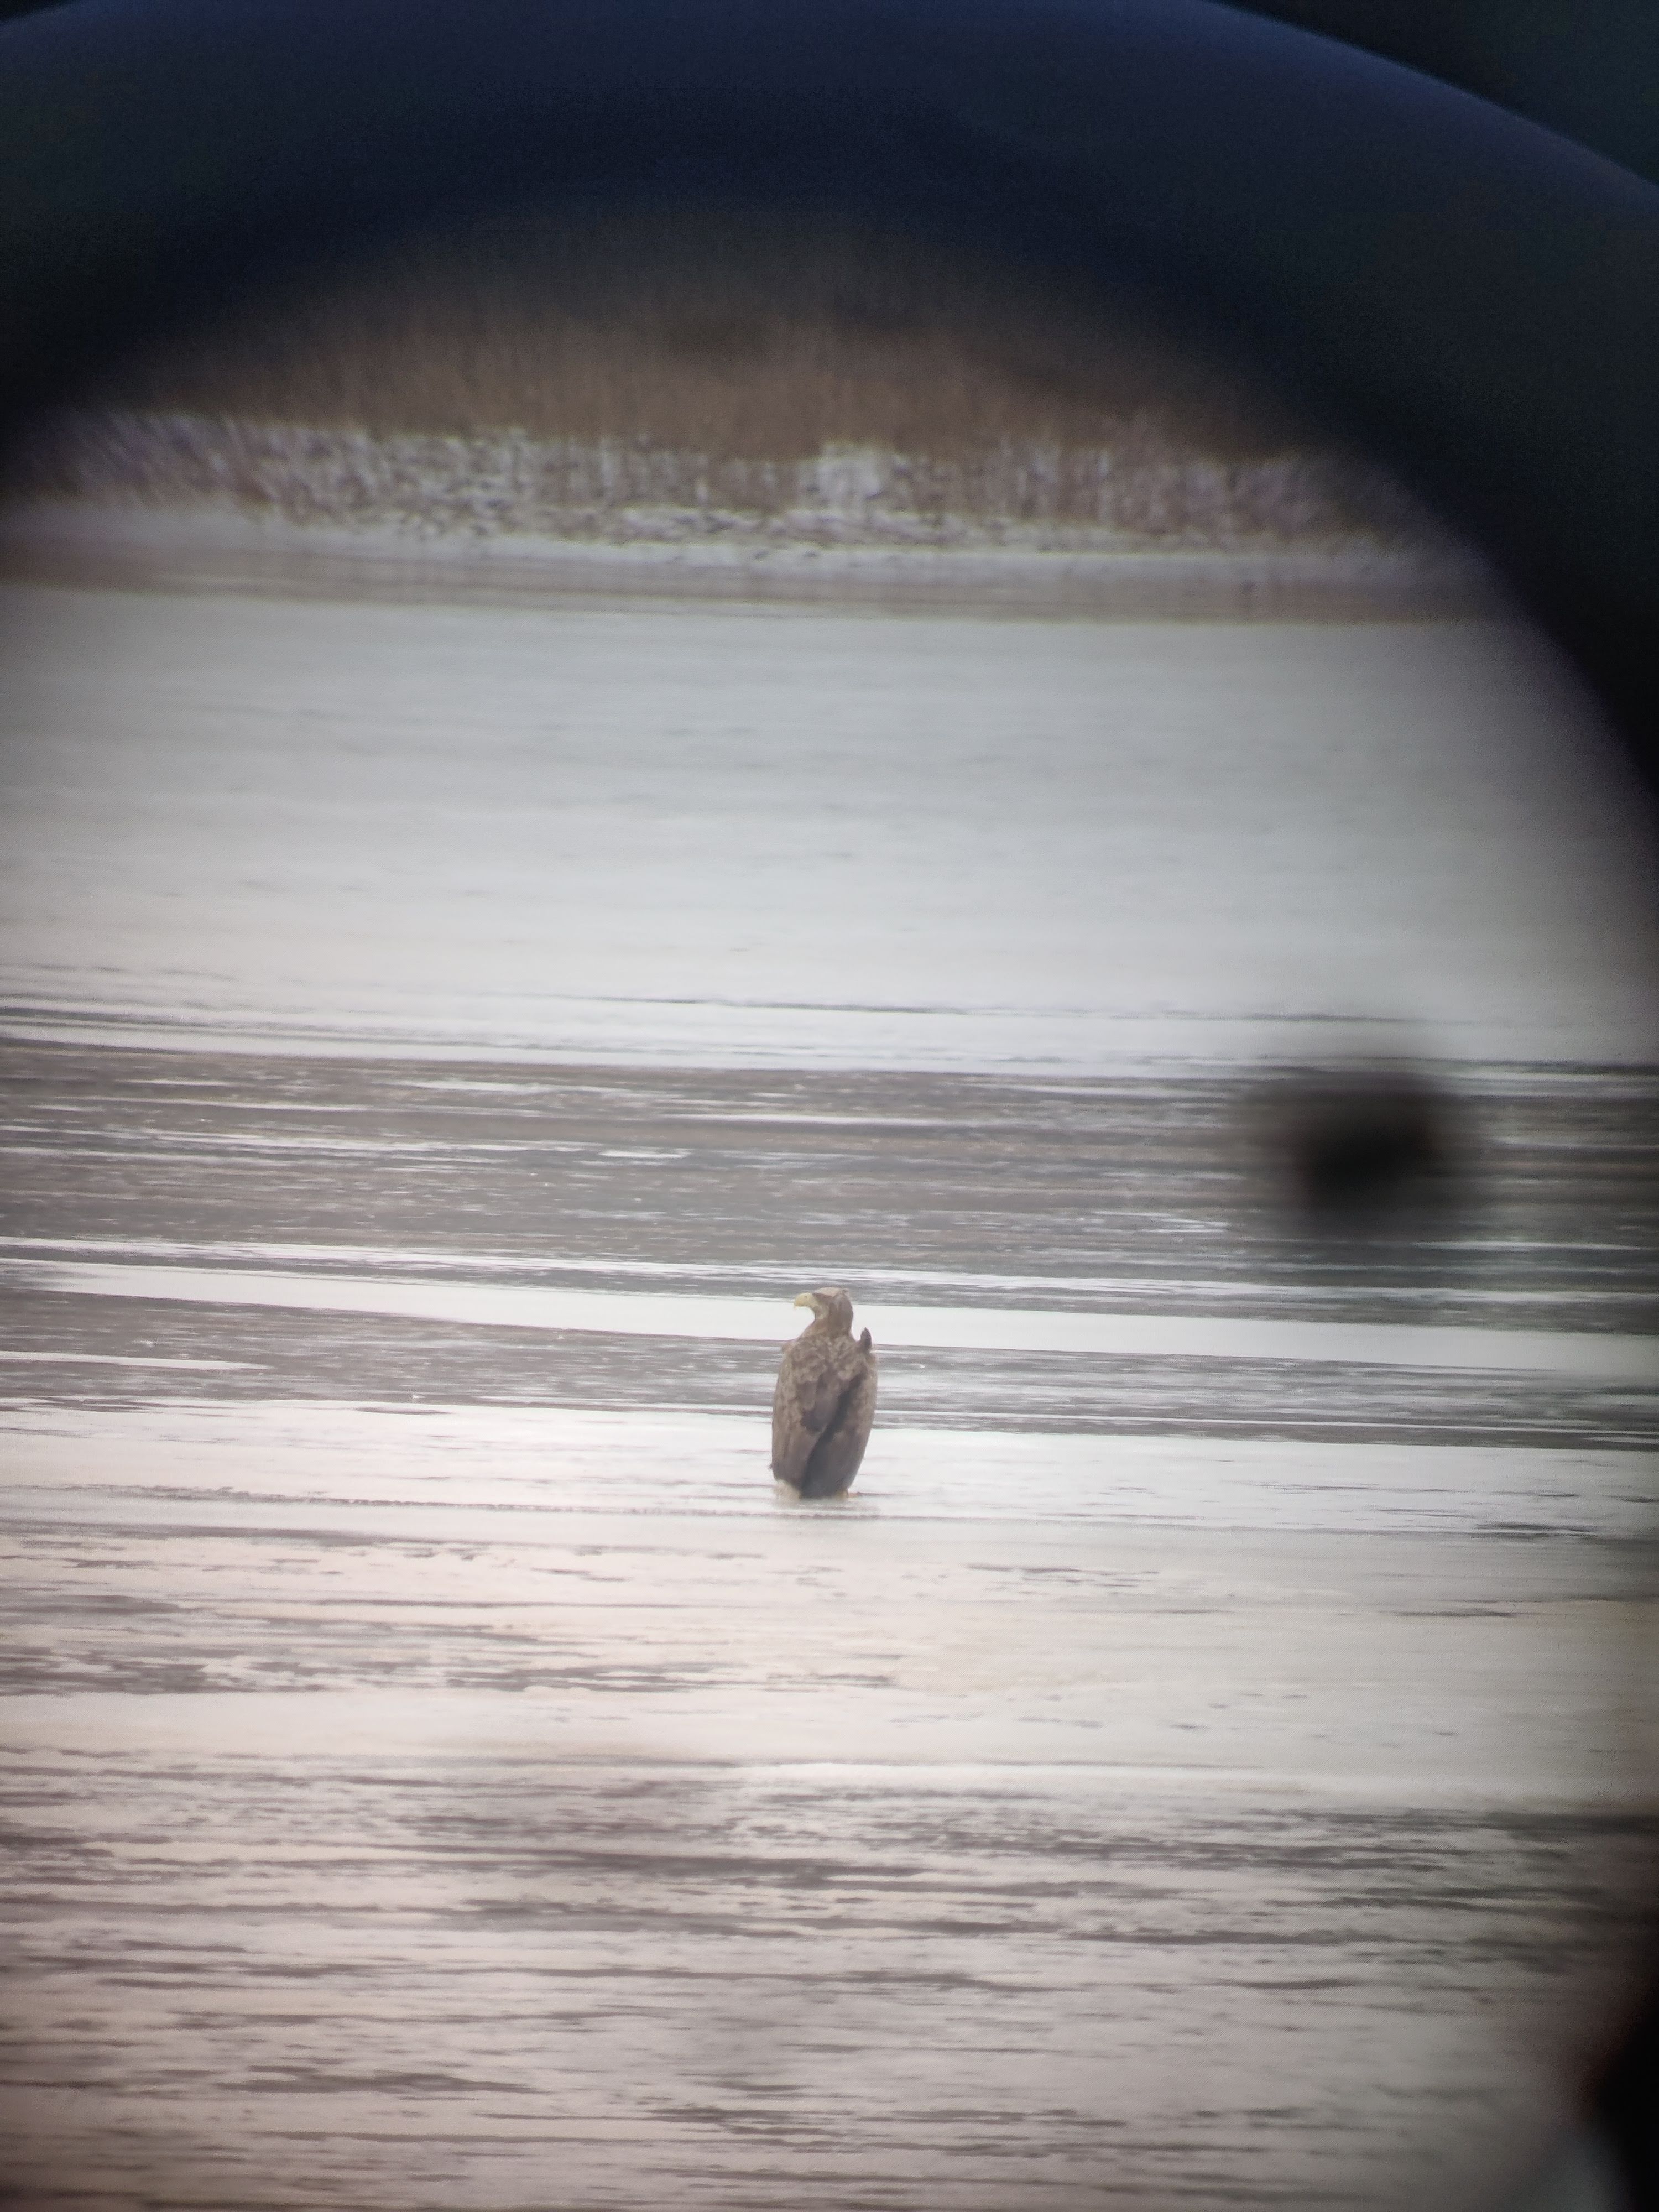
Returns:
point(831, 1310)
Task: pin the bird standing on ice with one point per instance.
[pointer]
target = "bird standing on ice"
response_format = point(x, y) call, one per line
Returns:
point(825, 1401)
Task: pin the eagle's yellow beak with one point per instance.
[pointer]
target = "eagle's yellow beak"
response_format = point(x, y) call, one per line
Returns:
point(805, 1299)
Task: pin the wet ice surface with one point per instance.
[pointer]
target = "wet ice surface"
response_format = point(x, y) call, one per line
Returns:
point(1209, 1755)
point(1593, 1357)
point(441, 1770)
point(424, 1805)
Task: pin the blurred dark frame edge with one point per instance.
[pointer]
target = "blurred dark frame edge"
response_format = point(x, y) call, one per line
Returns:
point(1587, 67)
point(1461, 289)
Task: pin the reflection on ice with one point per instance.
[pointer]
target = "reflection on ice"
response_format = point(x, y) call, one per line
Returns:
point(434, 1463)
point(1600, 1357)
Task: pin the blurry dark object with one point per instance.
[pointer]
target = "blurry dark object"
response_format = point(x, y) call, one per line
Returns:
point(1362, 1146)
point(1626, 2106)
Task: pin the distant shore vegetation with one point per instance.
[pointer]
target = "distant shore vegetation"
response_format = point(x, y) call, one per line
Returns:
point(645, 374)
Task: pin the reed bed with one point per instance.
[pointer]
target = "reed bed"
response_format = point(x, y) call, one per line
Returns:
point(646, 375)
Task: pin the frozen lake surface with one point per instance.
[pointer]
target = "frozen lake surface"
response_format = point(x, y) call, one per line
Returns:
point(1210, 1755)
point(789, 835)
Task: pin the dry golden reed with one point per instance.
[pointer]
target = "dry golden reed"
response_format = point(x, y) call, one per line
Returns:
point(728, 335)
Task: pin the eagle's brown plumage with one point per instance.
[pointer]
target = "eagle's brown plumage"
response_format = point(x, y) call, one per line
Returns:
point(825, 1401)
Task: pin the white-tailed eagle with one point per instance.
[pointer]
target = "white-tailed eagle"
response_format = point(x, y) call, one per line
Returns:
point(825, 1401)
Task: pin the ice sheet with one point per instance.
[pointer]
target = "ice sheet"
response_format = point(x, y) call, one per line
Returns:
point(783, 837)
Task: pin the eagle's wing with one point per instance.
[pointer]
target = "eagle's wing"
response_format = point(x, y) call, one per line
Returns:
point(859, 1417)
point(809, 1389)
point(837, 1455)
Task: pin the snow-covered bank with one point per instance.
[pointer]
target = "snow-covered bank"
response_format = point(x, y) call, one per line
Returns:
point(1146, 491)
point(1029, 571)
point(1143, 529)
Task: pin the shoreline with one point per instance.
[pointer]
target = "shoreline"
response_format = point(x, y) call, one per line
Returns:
point(1012, 575)
point(1266, 1049)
